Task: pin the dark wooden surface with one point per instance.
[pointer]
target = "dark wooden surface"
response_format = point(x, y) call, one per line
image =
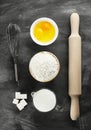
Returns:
point(23, 13)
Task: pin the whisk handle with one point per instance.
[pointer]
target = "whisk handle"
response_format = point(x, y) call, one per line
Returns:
point(16, 72)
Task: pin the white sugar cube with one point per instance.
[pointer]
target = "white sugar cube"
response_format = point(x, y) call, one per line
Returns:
point(15, 101)
point(23, 103)
point(23, 96)
point(20, 106)
point(17, 95)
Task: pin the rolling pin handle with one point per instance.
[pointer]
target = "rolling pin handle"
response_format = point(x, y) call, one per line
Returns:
point(74, 110)
point(74, 19)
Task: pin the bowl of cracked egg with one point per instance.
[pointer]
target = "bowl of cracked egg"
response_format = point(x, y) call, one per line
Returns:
point(44, 31)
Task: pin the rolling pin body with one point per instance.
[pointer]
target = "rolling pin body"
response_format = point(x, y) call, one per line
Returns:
point(74, 66)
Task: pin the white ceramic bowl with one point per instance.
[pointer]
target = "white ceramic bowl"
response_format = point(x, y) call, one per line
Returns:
point(44, 66)
point(40, 20)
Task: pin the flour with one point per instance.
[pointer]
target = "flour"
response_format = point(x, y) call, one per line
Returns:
point(44, 66)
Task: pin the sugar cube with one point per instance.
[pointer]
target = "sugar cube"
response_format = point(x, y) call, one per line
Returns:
point(17, 95)
point(23, 103)
point(15, 101)
point(20, 107)
point(23, 96)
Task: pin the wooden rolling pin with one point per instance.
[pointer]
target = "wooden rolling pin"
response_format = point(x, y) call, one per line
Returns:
point(74, 66)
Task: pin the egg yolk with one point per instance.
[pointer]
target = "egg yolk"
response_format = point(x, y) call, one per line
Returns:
point(44, 31)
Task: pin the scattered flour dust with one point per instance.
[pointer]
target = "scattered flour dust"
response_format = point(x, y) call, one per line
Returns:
point(44, 66)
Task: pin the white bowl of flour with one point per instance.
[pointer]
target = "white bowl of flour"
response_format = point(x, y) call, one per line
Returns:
point(44, 66)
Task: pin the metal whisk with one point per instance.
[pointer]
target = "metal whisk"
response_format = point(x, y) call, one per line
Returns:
point(13, 35)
